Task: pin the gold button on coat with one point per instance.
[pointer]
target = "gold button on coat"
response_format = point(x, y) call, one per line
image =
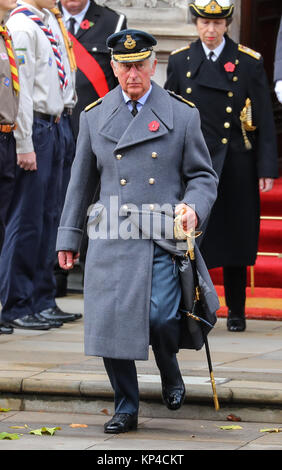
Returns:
point(154, 154)
point(151, 181)
point(227, 125)
point(230, 94)
point(123, 182)
point(224, 140)
point(235, 79)
point(188, 90)
point(188, 74)
point(229, 109)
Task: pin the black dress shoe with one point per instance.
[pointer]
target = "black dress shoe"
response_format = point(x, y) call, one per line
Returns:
point(76, 316)
point(121, 422)
point(53, 323)
point(5, 329)
point(29, 322)
point(54, 313)
point(173, 397)
point(236, 323)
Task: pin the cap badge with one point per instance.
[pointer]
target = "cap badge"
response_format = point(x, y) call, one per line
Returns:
point(213, 7)
point(129, 43)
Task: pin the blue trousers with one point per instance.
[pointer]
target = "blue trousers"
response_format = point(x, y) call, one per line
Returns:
point(8, 161)
point(29, 246)
point(46, 284)
point(164, 336)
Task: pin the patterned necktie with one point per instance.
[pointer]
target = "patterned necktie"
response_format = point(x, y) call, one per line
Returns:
point(134, 108)
point(53, 42)
point(13, 65)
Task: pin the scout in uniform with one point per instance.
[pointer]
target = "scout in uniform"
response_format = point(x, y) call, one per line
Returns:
point(48, 307)
point(9, 99)
point(228, 84)
point(137, 147)
point(33, 215)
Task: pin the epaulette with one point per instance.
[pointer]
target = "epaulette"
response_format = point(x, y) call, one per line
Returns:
point(179, 50)
point(92, 105)
point(180, 98)
point(249, 51)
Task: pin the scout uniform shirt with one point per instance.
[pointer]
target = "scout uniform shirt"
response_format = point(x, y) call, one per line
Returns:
point(8, 98)
point(39, 81)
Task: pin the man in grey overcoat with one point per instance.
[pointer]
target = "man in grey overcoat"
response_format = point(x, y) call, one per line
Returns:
point(141, 150)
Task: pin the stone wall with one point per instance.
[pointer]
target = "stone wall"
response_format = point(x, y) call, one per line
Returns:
point(169, 21)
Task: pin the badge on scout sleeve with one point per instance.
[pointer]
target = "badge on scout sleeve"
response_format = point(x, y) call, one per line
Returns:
point(6, 81)
point(21, 59)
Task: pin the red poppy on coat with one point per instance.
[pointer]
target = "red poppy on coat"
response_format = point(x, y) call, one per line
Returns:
point(153, 126)
point(229, 67)
point(85, 24)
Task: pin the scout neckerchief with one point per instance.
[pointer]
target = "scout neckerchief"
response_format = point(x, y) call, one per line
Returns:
point(53, 42)
point(13, 65)
point(67, 41)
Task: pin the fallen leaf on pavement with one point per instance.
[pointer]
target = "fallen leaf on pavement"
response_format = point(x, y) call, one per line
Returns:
point(4, 410)
point(78, 425)
point(8, 435)
point(233, 426)
point(19, 427)
point(105, 411)
point(271, 430)
point(232, 417)
point(44, 430)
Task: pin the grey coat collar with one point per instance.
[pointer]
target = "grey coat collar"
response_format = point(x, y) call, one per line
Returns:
point(117, 124)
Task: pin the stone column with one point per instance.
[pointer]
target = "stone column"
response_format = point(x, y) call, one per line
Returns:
point(169, 21)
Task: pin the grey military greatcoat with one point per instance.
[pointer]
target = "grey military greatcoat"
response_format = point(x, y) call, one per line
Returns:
point(147, 163)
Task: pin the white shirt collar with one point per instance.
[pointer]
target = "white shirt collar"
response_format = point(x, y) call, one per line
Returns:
point(141, 101)
point(79, 17)
point(217, 51)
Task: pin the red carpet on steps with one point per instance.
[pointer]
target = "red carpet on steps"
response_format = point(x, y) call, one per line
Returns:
point(265, 300)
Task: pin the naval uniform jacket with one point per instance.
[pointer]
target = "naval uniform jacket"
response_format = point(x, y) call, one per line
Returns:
point(93, 37)
point(219, 90)
point(150, 162)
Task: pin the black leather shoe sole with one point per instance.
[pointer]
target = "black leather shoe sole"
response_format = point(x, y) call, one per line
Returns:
point(121, 422)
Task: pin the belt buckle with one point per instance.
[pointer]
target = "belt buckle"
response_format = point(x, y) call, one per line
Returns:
point(6, 128)
point(57, 119)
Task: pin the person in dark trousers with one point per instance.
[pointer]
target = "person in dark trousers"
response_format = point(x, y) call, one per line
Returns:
point(227, 83)
point(143, 149)
point(34, 211)
point(89, 25)
point(9, 101)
